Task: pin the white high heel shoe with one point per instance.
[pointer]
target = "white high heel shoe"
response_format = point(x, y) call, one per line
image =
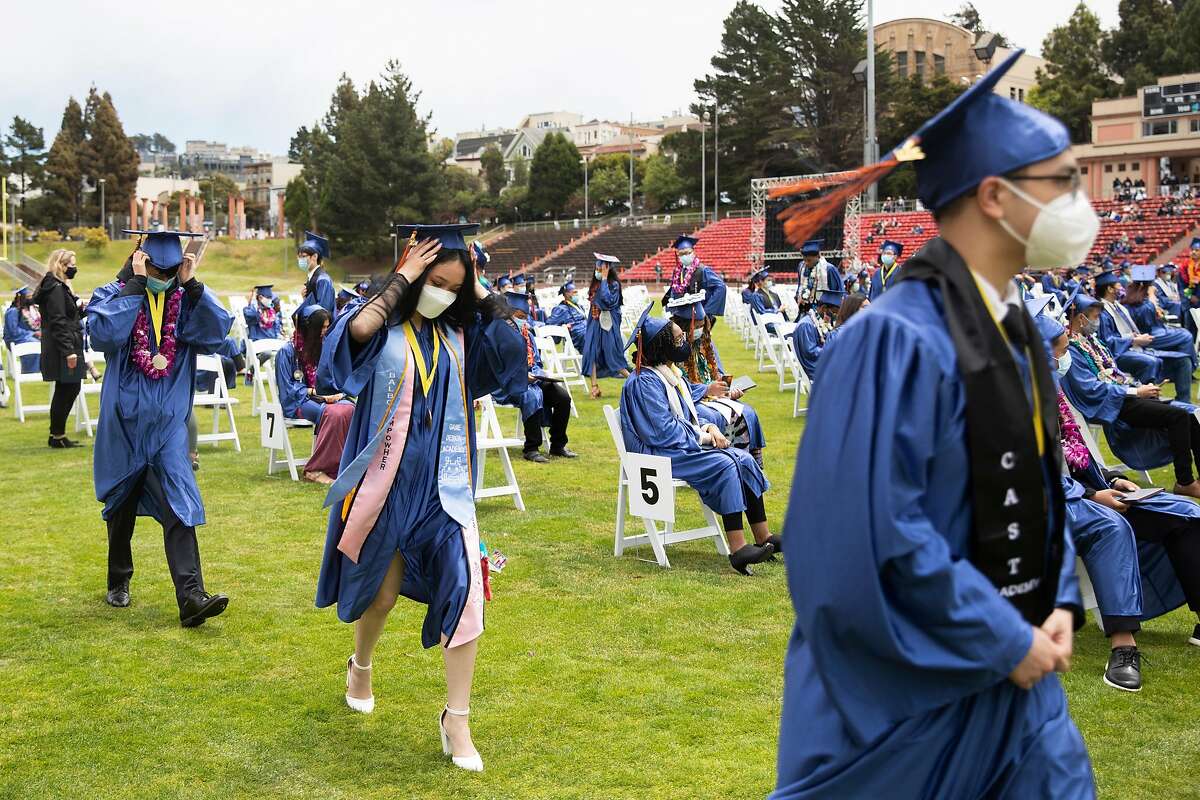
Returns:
point(364, 705)
point(470, 763)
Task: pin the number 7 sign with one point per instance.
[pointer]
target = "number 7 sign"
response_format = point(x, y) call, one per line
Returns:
point(273, 430)
point(651, 487)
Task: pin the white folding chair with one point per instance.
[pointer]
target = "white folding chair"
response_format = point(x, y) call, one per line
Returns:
point(90, 386)
point(270, 413)
point(768, 344)
point(219, 401)
point(19, 378)
point(1089, 438)
point(800, 382)
point(257, 380)
point(555, 363)
point(657, 538)
point(488, 437)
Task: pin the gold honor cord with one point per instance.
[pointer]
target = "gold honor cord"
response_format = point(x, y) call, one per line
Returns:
point(157, 303)
point(426, 373)
point(1038, 433)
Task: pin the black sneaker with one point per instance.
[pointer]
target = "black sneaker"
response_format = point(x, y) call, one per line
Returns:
point(1124, 669)
point(61, 443)
point(749, 554)
point(1195, 638)
point(118, 596)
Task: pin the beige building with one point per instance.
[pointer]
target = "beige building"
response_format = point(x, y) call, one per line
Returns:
point(1152, 136)
point(930, 47)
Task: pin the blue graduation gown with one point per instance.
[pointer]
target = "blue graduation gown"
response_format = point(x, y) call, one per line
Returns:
point(1175, 340)
point(714, 291)
point(321, 293)
point(605, 349)
point(254, 327)
point(754, 301)
point(754, 429)
point(648, 426)
point(881, 280)
point(528, 398)
point(896, 678)
point(1143, 365)
point(570, 315)
point(412, 520)
point(807, 342)
point(293, 391)
point(143, 422)
point(17, 331)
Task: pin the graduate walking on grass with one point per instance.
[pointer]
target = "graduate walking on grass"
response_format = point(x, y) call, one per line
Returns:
point(934, 606)
point(603, 348)
point(151, 323)
point(402, 520)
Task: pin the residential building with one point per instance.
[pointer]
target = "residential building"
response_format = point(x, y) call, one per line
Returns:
point(265, 184)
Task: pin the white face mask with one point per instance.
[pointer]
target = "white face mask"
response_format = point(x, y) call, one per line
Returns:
point(1064, 364)
point(434, 301)
point(887, 259)
point(1062, 232)
point(686, 259)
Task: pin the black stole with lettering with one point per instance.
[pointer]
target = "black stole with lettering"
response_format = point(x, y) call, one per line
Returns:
point(1017, 527)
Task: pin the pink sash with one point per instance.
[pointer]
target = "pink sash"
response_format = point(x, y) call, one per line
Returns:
point(470, 624)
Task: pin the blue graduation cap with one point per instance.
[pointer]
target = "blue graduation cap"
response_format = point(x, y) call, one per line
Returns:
point(480, 255)
point(569, 286)
point(362, 286)
point(518, 301)
point(1166, 267)
point(761, 275)
point(345, 294)
point(23, 290)
point(451, 236)
point(830, 298)
point(684, 242)
point(306, 312)
point(1036, 305)
point(519, 279)
point(607, 259)
point(687, 306)
point(895, 247)
point(1108, 277)
point(647, 326)
point(1143, 272)
point(812, 247)
point(1083, 269)
point(163, 247)
point(1048, 327)
point(503, 281)
point(315, 243)
point(1080, 301)
point(265, 290)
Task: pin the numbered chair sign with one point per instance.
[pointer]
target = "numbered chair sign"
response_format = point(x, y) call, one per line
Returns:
point(274, 432)
point(651, 487)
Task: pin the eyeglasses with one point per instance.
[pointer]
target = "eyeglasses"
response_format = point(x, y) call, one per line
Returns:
point(1074, 179)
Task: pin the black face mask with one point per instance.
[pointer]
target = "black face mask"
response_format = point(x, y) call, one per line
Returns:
point(70, 272)
point(680, 352)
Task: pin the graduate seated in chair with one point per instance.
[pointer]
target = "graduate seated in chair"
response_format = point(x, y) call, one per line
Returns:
point(536, 315)
point(761, 298)
point(570, 315)
point(22, 324)
point(851, 305)
point(659, 417)
point(1132, 348)
point(543, 400)
point(708, 382)
point(811, 333)
point(1150, 319)
point(1165, 293)
point(261, 314)
point(302, 398)
point(1135, 419)
point(1152, 543)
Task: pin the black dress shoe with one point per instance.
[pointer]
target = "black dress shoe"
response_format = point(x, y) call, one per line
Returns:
point(118, 596)
point(1124, 669)
point(536, 457)
point(564, 452)
point(199, 606)
point(775, 542)
point(61, 443)
point(750, 554)
point(1195, 638)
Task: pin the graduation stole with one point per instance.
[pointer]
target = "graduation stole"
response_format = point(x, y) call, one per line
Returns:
point(1017, 536)
point(362, 487)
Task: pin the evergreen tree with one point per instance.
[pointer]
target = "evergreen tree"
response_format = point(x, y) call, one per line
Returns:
point(297, 207)
point(554, 175)
point(63, 174)
point(26, 162)
point(520, 171)
point(494, 174)
point(662, 185)
point(683, 148)
point(107, 153)
point(911, 104)
point(1143, 46)
point(1074, 75)
point(968, 17)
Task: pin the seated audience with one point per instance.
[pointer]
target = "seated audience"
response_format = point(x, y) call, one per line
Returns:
point(23, 324)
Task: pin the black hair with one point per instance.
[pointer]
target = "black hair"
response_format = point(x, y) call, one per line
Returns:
point(462, 311)
point(311, 334)
point(611, 278)
point(850, 306)
point(308, 251)
point(658, 349)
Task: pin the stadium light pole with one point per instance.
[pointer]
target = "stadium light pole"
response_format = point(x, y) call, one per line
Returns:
point(703, 170)
point(631, 168)
point(585, 189)
point(716, 161)
point(873, 146)
point(102, 225)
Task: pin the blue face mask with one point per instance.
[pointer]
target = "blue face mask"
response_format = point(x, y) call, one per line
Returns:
point(887, 259)
point(156, 286)
point(302, 263)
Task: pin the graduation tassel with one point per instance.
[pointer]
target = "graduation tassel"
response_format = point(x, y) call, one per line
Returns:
point(639, 351)
point(805, 217)
point(404, 253)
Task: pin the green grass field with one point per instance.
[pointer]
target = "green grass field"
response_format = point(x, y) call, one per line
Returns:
point(598, 677)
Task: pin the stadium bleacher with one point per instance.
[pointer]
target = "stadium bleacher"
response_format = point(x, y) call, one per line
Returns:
point(723, 245)
point(514, 251)
point(631, 244)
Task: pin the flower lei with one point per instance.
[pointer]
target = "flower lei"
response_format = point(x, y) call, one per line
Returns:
point(266, 317)
point(528, 344)
point(1074, 448)
point(1099, 360)
point(823, 326)
point(310, 370)
point(141, 356)
point(682, 277)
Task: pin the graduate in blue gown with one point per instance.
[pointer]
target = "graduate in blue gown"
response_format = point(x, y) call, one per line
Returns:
point(885, 271)
point(814, 328)
point(1143, 558)
point(261, 314)
point(935, 595)
point(1149, 320)
point(690, 276)
point(318, 286)
point(1130, 346)
point(21, 326)
point(402, 511)
point(570, 315)
point(659, 417)
point(603, 350)
point(151, 323)
point(1166, 293)
point(752, 296)
point(703, 365)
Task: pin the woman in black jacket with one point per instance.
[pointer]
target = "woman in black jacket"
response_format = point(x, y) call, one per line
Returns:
point(62, 342)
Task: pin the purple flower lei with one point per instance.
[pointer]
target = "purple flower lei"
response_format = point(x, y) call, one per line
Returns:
point(682, 276)
point(141, 356)
point(1074, 448)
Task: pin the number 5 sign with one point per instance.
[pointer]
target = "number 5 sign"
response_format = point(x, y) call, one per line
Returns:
point(273, 430)
point(651, 487)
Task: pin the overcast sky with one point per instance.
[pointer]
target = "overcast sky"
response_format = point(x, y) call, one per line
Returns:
point(249, 72)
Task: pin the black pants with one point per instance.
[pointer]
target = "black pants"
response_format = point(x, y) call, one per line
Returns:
point(556, 409)
point(756, 512)
point(1183, 432)
point(65, 393)
point(183, 553)
point(1180, 536)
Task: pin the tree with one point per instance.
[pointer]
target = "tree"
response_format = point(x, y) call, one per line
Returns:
point(555, 174)
point(662, 186)
point(27, 162)
point(459, 193)
point(607, 187)
point(909, 107)
point(683, 147)
point(107, 153)
point(1074, 75)
point(514, 203)
point(152, 143)
point(297, 206)
point(968, 17)
point(1143, 45)
point(63, 175)
point(520, 171)
point(494, 175)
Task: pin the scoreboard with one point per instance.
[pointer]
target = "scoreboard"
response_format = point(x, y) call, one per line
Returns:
point(1172, 100)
